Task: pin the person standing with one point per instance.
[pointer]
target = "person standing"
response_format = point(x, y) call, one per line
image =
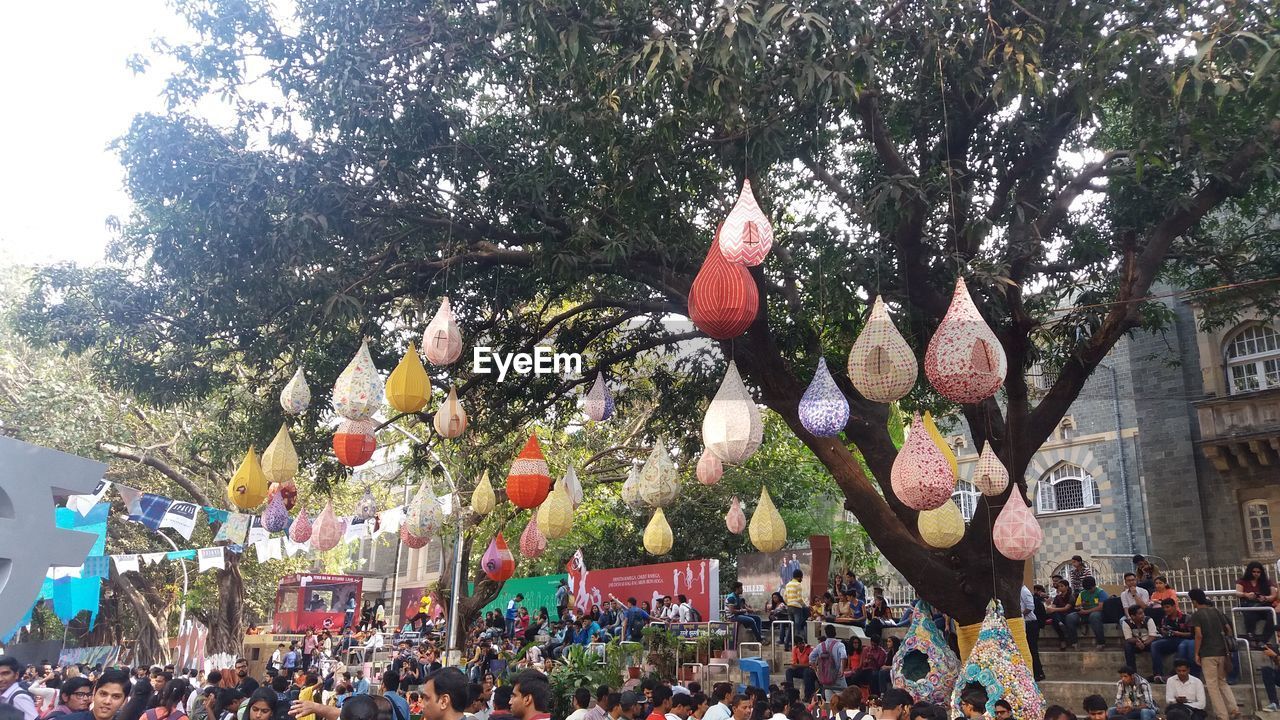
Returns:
point(1031, 623)
point(1211, 629)
point(562, 598)
point(721, 695)
point(793, 595)
point(109, 692)
point(400, 706)
point(827, 660)
point(513, 609)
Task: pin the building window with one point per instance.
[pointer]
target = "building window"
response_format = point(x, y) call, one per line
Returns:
point(1257, 518)
point(1066, 487)
point(966, 497)
point(1253, 359)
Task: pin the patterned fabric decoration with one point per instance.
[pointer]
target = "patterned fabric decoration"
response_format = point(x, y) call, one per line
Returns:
point(483, 499)
point(367, 505)
point(735, 519)
point(710, 469)
point(997, 665)
point(598, 404)
point(631, 489)
point(327, 531)
point(925, 665)
point(555, 514)
point(747, 236)
point(289, 491)
point(732, 428)
point(529, 480)
point(442, 340)
point(150, 509)
point(412, 541)
point(300, 530)
point(921, 476)
point(276, 517)
point(354, 442)
point(767, 530)
point(723, 300)
point(450, 419)
point(497, 561)
point(408, 388)
point(659, 480)
point(941, 527)
point(964, 360)
point(572, 486)
point(422, 517)
point(657, 534)
point(296, 395)
point(989, 474)
point(943, 447)
point(881, 364)
point(248, 487)
point(532, 542)
point(280, 460)
point(1016, 532)
point(357, 394)
point(823, 408)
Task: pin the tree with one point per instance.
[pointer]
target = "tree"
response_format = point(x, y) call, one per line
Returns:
point(558, 167)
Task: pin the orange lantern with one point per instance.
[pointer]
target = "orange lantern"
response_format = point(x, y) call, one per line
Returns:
point(354, 442)
point(529, 479)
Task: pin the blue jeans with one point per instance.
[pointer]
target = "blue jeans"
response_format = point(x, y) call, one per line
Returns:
point(799, 618)
point(752, 622)
point(1269, 677)
point(1131, 656)
point(1182, 648)
point(1139, 714)
point(1095, 623)
point(511, 627)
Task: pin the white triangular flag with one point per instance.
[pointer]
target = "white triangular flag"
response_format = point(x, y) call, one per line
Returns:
point(390, 520)
point(125, 563)
point(84, 503)
point(292, 548)
point(211, 558)
point(153, 558)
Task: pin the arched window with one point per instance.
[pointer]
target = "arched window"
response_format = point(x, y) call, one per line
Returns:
point(1253, 359)
point(1066, 487)
point(1257, 518)
point(966, 497)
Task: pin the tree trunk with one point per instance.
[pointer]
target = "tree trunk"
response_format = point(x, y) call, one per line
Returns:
point(469, 604)
point(150, 613)
point(226, 624)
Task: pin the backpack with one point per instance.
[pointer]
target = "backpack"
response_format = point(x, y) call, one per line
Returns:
point(694, 613)
point(826, 667)
point(9, 699)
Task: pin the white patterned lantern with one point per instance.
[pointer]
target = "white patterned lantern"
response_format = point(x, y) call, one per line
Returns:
point(450, 420)
point(989, 474)
point(1016, 532)
point(659, 484)
point(367, 505)
point(357, 394)
point(296, 395)
point(710, 469)
point(823, 410)
point(747, 235)
point(442, 340)
point(598, 404)
point(964, 361)
point(881, 364)
point(631, 489)
point(572, 486)
point(732, 427)
point(422, 516)
point(921, 477)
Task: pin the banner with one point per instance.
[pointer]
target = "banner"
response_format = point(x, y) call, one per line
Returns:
point(84, 503)
point(698, 580)
point(192, 636)
point(577, 570)
point(763, 574)
point(125, 563)
point(150, 510)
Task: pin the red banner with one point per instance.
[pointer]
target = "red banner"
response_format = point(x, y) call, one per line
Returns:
point(698, 580)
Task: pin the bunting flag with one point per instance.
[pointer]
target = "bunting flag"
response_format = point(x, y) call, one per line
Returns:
point(181, 516)
point(125, 563)
point(129, 495)
point(358, 528)
point(390, 520)
point(95, 522)
point(71, 596)
point(180, 555)
point(153, 558)
point(84, 503)
point(256, 533)
point(269, 549)
point(215, 515)
point(211, 558)
point(98, 566)
point(150, 510)
point(235, 529)
point(292, 548)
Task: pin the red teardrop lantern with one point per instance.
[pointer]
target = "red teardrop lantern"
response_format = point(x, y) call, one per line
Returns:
point(354, 443)
point(498, 563)
point(529, 479)
point(723, 301)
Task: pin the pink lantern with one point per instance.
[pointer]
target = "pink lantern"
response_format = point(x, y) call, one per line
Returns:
point(922, 477)
point(328, 530)
point(413, 541)
point(710, 468)
point(1017, 533)
point(497, 562)
point(964, 361)
point(300, 531)
point(735, 519)
point(747, 236)
point(532, 542)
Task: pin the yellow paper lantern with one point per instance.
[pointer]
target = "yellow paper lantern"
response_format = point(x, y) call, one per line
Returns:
point(767, 530)
point(280, 460)
point(248, 487)
point(732, 427)
point(936, 436)
point(881, 364)
point(555, 514)
point(658, 485)
point(657, 535)
point(483, 499)
point(941, 527)
point(409, 388)
point(442, 340)
point(450, 419)
point(989, 474)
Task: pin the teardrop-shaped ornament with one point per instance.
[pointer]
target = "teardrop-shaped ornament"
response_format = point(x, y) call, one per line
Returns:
point(367, 505)
point(767, 529)
point(747, 236)
point(276, 517)
point(296, 395)
point(280, 460)
point(450, 420)
point(631, 489)
point(964, 361)
point(422, 517)
point(659, 479)
point(327, 531)
point(354, 442)
point(1016, 532)
point(989, 474)
point(921, 477)
point(732, 427)
point(497, 562)
point(442, 340)
point(735, 519)
point(413, 541)
point(723, 300)
point(657, 534)
point(408, 387)
point(483, 498)
point(710, 468)
point(529, 479)
point(555, 514)
point(573, 486)
point(300, 530)
point(943, 446)
point(941, 527)
point(357, 394)
point(248, 486)
point(881, 364)
point(598, 403)
point(532, 542)
point(823, 410)
point(289, 491)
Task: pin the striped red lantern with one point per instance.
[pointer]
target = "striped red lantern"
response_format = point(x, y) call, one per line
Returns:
point(529, 480)
point(723, 301)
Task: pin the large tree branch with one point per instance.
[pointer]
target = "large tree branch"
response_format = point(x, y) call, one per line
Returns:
point(143, 457)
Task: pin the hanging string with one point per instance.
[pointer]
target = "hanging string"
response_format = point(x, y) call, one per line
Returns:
point(946, 141)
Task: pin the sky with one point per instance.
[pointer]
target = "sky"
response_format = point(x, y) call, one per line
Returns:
point(68, 93)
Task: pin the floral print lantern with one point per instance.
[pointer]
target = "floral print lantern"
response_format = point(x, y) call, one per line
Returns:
point(300, 530)
point(483, 499)
point(881, 364)
point(997, 664)
point(357, 394)
point(422, 518)
point(659, 483)
point(354, 442)
point(280, 460)
point(367, 505)
point(657, 534)
point(327, 531)
point(943, 447)
point(735, 519)
point(598, 404)
point(824, 411)
point(296, 395)
point(631, 489)
point(573, 486)
point(921, 477)
point(723, 300)
point(497, 561)
point(1016, 532)
point(413, 541)
point(555, 514)
point(732, 428)
point(964, 360)
point(450, 420)
point(532, 542)
point(746, 236)
point(925, 666)
point(442, 340)
point(710, 468)
point(529, 479)
point(276, 517)
point(767, 529)
point(408, 387)
point(248, 486)
point(941, 527)
point(989, 474)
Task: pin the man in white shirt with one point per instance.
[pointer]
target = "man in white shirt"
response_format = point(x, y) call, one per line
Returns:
point(11, 692)
point(1132, 594)
point(581, 703)
point(684, 610)
point(1139, 633)
point(721, 692)
point(681, 706)
point(1184, 688)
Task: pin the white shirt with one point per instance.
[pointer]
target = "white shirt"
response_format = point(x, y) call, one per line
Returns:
point(22, 702)
point(1192, 690)
point(1138, 596)
point(577, 714)
point(719, 711)
point(1028, 603)
point(375, 641)
point(533, 654)
point(686, 612)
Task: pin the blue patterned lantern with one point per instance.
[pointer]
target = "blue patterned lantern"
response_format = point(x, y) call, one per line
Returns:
point(824, 411)
point(925, 665)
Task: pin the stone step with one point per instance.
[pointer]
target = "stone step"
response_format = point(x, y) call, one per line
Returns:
point(1070, 694)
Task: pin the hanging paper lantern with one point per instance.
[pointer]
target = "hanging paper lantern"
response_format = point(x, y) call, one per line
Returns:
point(659, 479)
point(710, 468)
point(300, 530)
point(1016, 532)
point(296, 395)
point(408, 387)
point(924, 642)
point(276, 517)
point(248, 486)
point(921, 476)
point(767, 529)
point(421, 518)
point(989, 474)
point(723, 300)
point(410, 540)
point(747, 236)
point(532, 542)
point(497, 562)
point(941, 527)
point(367, 505)
point(572, 486)
point(442, 340)
point(483, 499)
point(529, 480)
point(289, 491)
point(354, 442)
point(631, 489)
point(451, 419)
point(996, 664)
point(735, 519)
point(964, 360)
point(327, 531)
point(941, 442)
point(881, 364)
point(824, 411)
point(280, 460)
point(732, 428)
point(598, 404)
point(357, 394)
point(657, 534)
point(555, 514)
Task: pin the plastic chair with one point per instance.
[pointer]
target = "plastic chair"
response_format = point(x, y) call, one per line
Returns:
point(755, 671)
